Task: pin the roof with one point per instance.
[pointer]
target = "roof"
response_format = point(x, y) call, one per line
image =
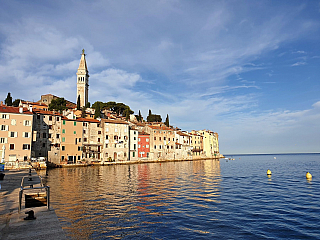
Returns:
point(87, 120)
point(34, 103)
point(114, 121)
point(183, 134)
point(40, 111)
point(143, 133)
point(161, 128)
point(9, 109)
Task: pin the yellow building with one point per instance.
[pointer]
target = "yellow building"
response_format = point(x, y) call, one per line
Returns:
point(71, 141)
point(15, 134)
point(210, 143)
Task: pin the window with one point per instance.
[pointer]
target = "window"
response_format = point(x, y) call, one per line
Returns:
point(147, 146)
point(134, 138)
point(63, 148)
point(138, 139)
point(84, 131)
point(164, 138)
point(159, 146)
point(155, 138)
point(63, 131)
point(11, 147)
point(107, 129)
point(64, 122)
point(98, 139)
point(134, 132)
point(50, 126)
point(160, 138)
point(98, 124)
point(63, 139)
point(62, 158)
point(44, 145)
point(116, 129)
point(13, 134)
point(134, 146)
point(58, 136)
point(38, 116)
point(107, 137)
point(133, 154)
point(3, 140)
point(79, 140)
point(50, 118)
point(155, 147)
point(99, 132)
point(106, 145)
point(26, 134)
point(26, 123)
point(13, 122)
point(139, 146)
point(5, 116)
point(115, 137)
point(74, 132)
point(58, 119)
point(44, 135)
point(79, 148)
point(74, 123)
point(147, 139)
point(78, 157)
point(84, 139)
point(49, 135)
point(25, 158)
point(4, 128)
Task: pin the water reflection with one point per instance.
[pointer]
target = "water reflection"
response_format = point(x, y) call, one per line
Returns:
point(133, 200)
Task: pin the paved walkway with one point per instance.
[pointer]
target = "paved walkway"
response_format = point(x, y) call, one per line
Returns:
point(12, 223)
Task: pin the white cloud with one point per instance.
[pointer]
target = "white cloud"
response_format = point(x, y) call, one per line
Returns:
point(298, 64)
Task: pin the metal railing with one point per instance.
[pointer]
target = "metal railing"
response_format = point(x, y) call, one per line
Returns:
point(31, 187)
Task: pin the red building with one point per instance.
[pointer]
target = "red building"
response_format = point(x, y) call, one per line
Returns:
point(143, 145)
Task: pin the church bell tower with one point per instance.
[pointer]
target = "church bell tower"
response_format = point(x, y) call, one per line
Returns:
point(83, 81)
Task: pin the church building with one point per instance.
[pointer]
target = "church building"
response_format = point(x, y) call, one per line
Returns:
point(82, 81)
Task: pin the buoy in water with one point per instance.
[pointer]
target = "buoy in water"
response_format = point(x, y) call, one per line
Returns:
point(269, 172)
point(308, 175)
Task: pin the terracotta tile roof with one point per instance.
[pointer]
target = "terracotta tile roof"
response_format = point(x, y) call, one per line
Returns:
point(183, 134)
point(40, 111)
point(143, 133)
point(87, 120)
point(161, 128)
point(114, 121)
point(9, 109)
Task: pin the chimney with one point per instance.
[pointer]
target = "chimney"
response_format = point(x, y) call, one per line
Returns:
point(30, 108)
point(20, 109)
point(1, 103)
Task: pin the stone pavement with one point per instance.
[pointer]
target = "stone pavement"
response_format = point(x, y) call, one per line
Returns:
point(12, 223)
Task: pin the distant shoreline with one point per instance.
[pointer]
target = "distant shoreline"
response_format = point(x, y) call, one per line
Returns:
point(251, 154)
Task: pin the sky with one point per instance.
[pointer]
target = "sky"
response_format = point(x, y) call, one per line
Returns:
point(248, 70)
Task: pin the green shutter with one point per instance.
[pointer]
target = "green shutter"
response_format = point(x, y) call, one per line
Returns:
point(63, 131)
point(64, 122)
point(74, 123)
point(74, 132)
point(63, 139)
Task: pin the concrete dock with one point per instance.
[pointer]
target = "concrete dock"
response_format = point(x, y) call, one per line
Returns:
point(12, 223)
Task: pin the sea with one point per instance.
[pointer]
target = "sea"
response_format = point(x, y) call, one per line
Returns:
point(201, 199)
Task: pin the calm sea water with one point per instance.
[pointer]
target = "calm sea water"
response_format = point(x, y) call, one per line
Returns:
point(205, 199)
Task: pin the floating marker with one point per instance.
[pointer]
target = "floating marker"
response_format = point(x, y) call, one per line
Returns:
point(269, 172)
point(308, 175)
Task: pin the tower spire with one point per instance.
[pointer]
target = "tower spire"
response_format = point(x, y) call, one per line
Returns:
point(83, 80)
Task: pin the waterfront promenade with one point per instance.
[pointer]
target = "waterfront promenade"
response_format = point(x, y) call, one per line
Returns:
point(12, 223)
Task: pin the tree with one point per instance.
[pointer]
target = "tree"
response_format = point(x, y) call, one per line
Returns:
point(8, 100)
point(167, 121)
point(58, 104)
point(139, 117)
point(127, 115)
point(83, 112)
point(97, 109)
point(153, 117)
point(78, 103)
point(16, 102)
point(87, 105)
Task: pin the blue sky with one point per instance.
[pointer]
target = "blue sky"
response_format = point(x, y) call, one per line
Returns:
point(248, 70)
